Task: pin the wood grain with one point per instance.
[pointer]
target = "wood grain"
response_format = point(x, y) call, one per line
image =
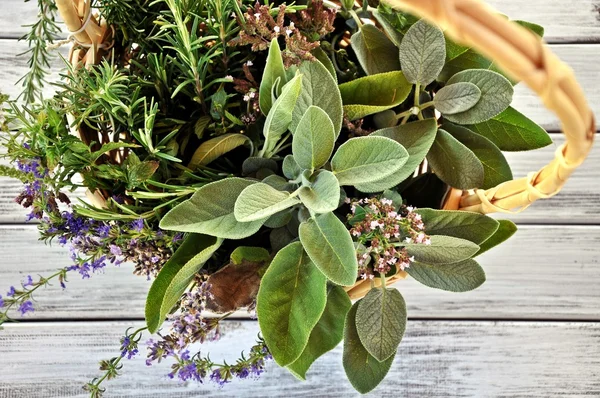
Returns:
point(435, 359)
point(544, 272)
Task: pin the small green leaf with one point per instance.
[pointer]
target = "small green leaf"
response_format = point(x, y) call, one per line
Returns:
point(442, 250)
point(273, 69)
point(513, 131)
point(422, 53)
point(141, 172)
point(329, 245)
point(313, 140)
point(456, 98)
point(290, 167)
point(216, 147)
point(211, 211)
point(496, 169)
point(325, 60)
point(359, 159)
point(252, 164)
point(474, 227)
point(496, 95)
point(362, 369)
point(327, 333)
point(458, 277)
point(176, 275)
point(260, 200)
point(290, 302)
point(280, 116)
point(504, 232)
point(535, 28)
point(320, 89)
point(416, 138)
point(454, 163)
point(323, 193)
point(248, 253)
point(381, 322)
point(372, 94)
point(201, 125)
point(375, 52)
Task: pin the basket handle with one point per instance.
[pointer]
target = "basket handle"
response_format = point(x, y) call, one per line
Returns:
point(525, 57)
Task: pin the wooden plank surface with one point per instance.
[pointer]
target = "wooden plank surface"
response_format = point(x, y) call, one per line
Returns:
point(563, 22)
point(543, 272)
point(435, 359)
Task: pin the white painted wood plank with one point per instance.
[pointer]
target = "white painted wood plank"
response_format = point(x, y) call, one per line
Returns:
point(543, 272)
point(563, 23)
point(435, 359)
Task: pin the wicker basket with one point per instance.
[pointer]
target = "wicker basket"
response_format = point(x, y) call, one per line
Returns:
point(516, 50)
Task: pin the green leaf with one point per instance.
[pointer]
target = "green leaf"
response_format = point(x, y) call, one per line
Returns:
point(496, 169)
point(141, 172)
point(278, 182)
point(320, 89)
point(375, 52)
point(211, 211)
point(280, 116)
point(474, 227)
point(416, 138)
point(454, 163)
point(504, 232)
point(458, 277)
point(325, 60)
point(362, 369)
point(423, 53)
point(443, 250)
point(216, 147)
point(252, 164)
point(290, 167)
point(364, 159)
point(373, 94)
point(260, 200)
point(456, 98)
point(329, 245)
point(535, 28)
point(496, 95)
point(313, 140)
point(248, 253)
point(393, 33)
point(274, 69)
point(323, 193)
point(290, 302)
point(201, 125)
point(513, 131)
point(381, 322)
point(176, 275)
point(327, 333)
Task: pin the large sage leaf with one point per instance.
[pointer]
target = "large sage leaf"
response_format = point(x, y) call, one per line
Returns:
point(381, 322)
point(330, 247)
point(373, 94)
point(443, 250)
point(274, 69)
point(422, 53)
point(359, 160)
point(323, 193)
point(456, 98)
point(496, 169)
point(260, 200)
point(513, 131)
point(496, 95)
point(416, 138)
point(211, 211)
point(216, 147)
point(176, 275)
point(362, 369)
point(474, 227)
point(320, 89)
point(375, 52)
point(325, 60)
point(313, 140)
point(290, 302)
point(458, 277)
point(327, 333)
point(280, 116)
point(454, 163)
point(504, 232)
point(290, 167)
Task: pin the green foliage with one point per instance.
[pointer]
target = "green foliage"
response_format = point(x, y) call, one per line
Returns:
point(443, 250)
point(280, 116)
point(259, 201)
point(456, 98)
point(313, 139)
point(216, 147)
point(252, 254)
point(474, 227)
point(458, 277)
point(505, 230)
point(274, 77)
point(322, 192)
point(422, 53)
point(375, 52)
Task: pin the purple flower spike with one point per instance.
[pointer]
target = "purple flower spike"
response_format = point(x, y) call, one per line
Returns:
point(26, 307)
point(138, 225)
point(28, 282)
point(11, 291)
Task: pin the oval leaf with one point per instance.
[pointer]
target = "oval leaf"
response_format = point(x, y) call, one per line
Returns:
point(381, 322)
point(291, 299)
point(280, 116)
point(216, 147)
point(375, 52)
point(273, 69)
point(455, 98)
point(323, 194)
point(474, 227)
point(211, 211)
point(374, 94)
point(504, 232)
point(443, 250)
point(423, 53)
point(330, 247)
point(290, 168)
point(363, 159)
point(458, 277)
point(259, 201)
point(313, 140)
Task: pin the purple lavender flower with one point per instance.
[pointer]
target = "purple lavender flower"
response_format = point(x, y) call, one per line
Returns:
point(217, 378)
point(128, 348)
point(25, 307)
point(189, 371)
point(11, 291)
point(115, 250)
point(28, 281)
point(103, 230)
point(1, 302)
point(138, 225)
point(178, 236)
